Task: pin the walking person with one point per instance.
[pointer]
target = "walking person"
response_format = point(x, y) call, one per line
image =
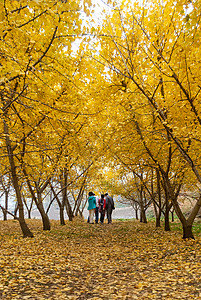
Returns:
point(91, 207)
point(97, 210)
point(102, 205)
point(109, 207)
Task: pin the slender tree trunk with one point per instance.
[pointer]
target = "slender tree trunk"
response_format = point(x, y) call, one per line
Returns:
point(78, 202)
point(186, 223)
point(167, 209)
point(6, 206)
point(84, 204)
point(38, 202)
point(166, 214)
point(156, 216)
point(157, 212)
point(45, 218)
point(135, 207)
point(28, 209)
point(61, 205)
point(69, 209)
point(143, 217)
point(167, 221)
point(172, 214)
point(136, 214)
point(157, 208)
point(64, 195)
point(62, 219)
point(16, 210)
point(25, 229)
point(26, 206)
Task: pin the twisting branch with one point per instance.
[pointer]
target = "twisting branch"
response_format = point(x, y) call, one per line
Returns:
point(48, 47)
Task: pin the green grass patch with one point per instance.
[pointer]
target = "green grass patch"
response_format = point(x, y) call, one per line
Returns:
point(178, 227)
point(123, 220)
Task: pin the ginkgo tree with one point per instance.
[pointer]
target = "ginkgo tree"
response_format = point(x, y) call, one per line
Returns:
point(151, 51)
point(37, 88)
point(130, 97)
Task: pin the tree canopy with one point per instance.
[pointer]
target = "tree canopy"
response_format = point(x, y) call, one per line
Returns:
point(84, 103)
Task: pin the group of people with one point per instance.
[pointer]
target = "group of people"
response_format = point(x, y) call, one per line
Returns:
point(103, 205)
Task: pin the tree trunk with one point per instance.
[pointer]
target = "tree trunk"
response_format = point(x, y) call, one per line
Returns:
point(28, 210)
point(186, 224)
point(6, 206)
point(172, 214)
point(65, 200)
point(38, 202)
point(45, 218)
point(167, 221)
point(69, 209)
point(25, 230)
point(158, 221)
point(29, 213)
point(61, 205)
point(78, 201)
point(84, 204)
point(188, 232)
point(136, 214)
point(62, 219)
point(16, 210)
point(143, 217)
point(167, 209)
point(157, 216)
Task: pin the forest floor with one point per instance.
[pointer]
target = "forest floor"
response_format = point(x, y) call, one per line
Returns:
point(122, 260)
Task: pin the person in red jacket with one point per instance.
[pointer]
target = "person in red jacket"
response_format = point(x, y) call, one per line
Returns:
point(102, 205)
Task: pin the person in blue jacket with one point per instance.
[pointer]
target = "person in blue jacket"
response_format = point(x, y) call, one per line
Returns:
point(91, 207)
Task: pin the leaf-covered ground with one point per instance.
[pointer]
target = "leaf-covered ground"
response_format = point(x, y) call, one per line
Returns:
point(124, 260)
